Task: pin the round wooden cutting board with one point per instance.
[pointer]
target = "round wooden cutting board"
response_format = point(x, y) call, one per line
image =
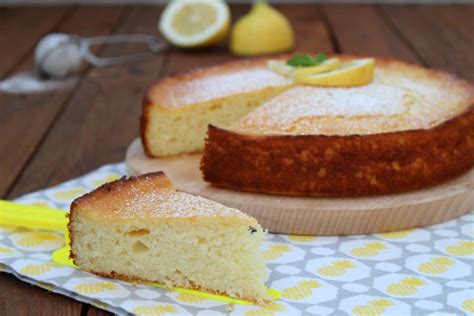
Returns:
point(314, 215)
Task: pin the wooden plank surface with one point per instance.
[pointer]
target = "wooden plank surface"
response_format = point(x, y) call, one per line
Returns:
point(442, 36)
point(27, 118)
point(21, 28)
point(61, 135)
point(101, 117)
point(360, 29)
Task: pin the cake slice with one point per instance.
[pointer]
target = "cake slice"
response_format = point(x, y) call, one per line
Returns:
point(178, 109)
point(142, 229)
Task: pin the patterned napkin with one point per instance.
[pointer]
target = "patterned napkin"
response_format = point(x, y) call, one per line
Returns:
point(419, 271)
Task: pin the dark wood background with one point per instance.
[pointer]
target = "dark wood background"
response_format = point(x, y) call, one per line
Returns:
point(48, 138)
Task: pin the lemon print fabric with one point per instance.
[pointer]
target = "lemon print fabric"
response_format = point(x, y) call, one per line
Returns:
point(281, 253)
point(188, 299)
point(151, 308)
point(279, 308)
point(371, 250)
point(7, 252)
point(424, 271)
point(407, 286)
point(338, 269)
point(305, 290)
point(96, 287)
point(41, 270)
point(68, 194)
point(37, 240)
point(406, 236)
point(459, 248)
point(463, 301)
point(439, 266)
point(365, 305)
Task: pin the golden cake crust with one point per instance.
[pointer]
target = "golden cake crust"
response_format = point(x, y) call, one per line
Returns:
point(340, 165)
point(259, 153)
point(183, 89)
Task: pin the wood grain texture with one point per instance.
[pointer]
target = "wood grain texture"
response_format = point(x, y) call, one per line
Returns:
point(21, 28)
point(318, 216)
point(101, 115)
point(360, 29)
point(20, 298)
point(26, 118)
point(441, 35)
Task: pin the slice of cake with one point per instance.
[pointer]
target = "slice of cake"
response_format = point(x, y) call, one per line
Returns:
point(178, 109)
point(142, 229)
point(409, 128)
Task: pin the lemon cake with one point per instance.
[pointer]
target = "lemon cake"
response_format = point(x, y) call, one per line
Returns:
point(409, 128)
point(178, 109)
point(142, 229)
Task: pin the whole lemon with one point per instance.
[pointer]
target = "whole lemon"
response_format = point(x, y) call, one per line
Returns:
point(264, 30)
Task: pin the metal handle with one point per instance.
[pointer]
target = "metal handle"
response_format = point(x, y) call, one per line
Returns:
point(154, 45)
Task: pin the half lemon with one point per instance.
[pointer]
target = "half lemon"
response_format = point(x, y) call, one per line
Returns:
point(355, 73)
point(195, 23)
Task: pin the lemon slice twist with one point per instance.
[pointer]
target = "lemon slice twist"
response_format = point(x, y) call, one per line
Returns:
point(356, 73)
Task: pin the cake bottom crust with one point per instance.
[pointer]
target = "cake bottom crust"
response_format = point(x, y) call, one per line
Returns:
point(191, 286)
point(310, 165)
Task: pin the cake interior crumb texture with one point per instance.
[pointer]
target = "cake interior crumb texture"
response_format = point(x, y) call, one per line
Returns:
point(142, 229)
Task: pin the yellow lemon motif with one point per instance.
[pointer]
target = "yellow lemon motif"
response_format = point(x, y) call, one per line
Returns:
point(44, 285)
point(94, 288)
point(158, 310)
point(109, 178)
point(68, 195)
point(7, 229)
point(370, 249)
point(397, 235)
point(374, 307)
point(436, 265)
point(5, 250)
point(41, 203)
point(275, 251)
point(189, 298)
point(468, 305)
point(266, 310)
point(461, 249)
point(99, 304)
point(301, 290)
point(301, 238)
point(406, 286)
point(37, 269)
point(336, 268)
point(37, 239)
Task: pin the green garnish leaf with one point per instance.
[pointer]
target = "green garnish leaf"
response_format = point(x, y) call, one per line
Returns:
point(306, 60)
point(320, 57)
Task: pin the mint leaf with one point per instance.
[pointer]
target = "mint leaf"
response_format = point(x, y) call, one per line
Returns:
point(306, 60)
point(300, 60)
point(320, 57)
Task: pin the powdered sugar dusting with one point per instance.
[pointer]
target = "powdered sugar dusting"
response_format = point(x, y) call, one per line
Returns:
point(394, 101)
point(221, 85)
point(134, 200)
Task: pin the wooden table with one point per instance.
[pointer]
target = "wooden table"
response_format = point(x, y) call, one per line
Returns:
point(51, 137)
